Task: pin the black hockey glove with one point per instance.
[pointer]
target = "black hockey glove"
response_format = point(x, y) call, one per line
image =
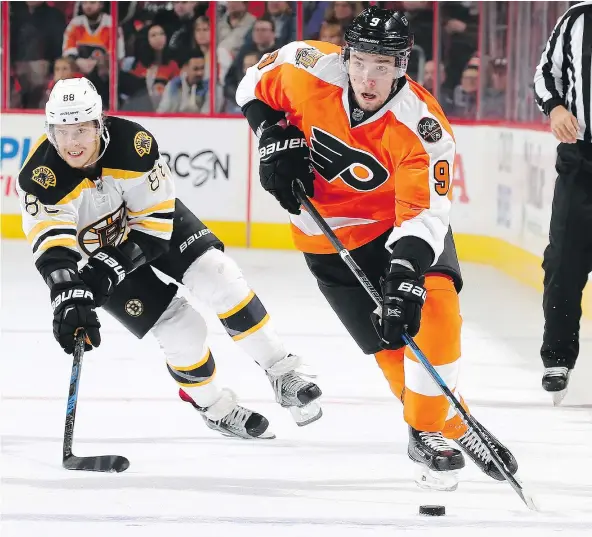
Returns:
point(404, 296)
point(105, 270)
point(73, 308)
point(284, 158)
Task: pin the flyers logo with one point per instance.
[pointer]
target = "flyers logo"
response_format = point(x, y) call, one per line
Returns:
point(333, 159)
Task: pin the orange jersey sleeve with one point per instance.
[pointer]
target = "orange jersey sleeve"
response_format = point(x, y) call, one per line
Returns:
point(275, 80)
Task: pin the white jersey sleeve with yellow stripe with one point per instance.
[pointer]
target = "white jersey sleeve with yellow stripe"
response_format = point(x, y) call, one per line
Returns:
point(48, 226)
point(149, 198)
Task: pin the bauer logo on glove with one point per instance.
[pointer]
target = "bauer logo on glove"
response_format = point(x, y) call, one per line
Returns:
point(284, 157)
point(283, 145)
point(112, 263)
point(64, 296)
point(403, 298)
point(416, 290)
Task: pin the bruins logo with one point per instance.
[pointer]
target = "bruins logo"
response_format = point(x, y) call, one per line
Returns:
point(44, 176)
point(107, 231)
point(134, 307)
point(142, 143)
point(307, 57)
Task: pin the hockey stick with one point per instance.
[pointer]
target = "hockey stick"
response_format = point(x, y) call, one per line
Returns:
point(100, 463)
point(469, 421)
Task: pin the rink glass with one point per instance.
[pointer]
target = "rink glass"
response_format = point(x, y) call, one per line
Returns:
point(500, 41)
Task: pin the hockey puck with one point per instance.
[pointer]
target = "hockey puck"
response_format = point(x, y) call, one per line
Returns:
point(432, 510)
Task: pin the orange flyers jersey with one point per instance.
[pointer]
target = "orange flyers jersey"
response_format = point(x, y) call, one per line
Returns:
point(393, 171)
point(80, 40)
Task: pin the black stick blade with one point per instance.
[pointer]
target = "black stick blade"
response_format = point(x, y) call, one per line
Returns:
point(102, 463)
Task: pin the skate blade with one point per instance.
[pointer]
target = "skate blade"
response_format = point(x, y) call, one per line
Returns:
point(432, 480)
point(529, 501)
point(527, 496)
point(558, 397)
point(267, 435)
point(304, 415)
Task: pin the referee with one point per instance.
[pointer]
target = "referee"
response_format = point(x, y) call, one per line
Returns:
point(562, 86)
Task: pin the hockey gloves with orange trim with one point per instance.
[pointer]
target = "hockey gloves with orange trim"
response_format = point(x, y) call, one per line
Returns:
point(284, 158)
point(73, 308)
point(404, 296)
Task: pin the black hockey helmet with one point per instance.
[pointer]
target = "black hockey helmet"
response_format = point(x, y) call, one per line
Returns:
point(380, 31)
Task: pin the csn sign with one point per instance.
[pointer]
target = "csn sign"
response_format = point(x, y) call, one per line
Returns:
point(200, 166)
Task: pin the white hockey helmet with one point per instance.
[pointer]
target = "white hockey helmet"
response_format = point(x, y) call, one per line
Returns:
point(72, 101)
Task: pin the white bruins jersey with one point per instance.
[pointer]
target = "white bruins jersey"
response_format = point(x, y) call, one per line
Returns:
point(73, 213)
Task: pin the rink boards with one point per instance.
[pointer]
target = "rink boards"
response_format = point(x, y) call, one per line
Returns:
point(503, 186)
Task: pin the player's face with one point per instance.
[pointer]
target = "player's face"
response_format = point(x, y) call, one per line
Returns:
point(77, 144)
point(371, 77)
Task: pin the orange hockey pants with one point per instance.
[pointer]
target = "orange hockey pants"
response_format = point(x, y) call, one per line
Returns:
point(425, 408)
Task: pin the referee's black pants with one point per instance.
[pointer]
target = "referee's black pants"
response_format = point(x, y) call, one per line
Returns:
point(568, 257)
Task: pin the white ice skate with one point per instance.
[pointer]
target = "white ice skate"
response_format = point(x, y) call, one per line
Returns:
point(230, 419)
point(294, 392)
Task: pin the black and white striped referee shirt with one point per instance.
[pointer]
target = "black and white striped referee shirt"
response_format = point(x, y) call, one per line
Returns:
point(563, 75)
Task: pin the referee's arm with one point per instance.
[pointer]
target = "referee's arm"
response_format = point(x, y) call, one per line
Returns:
point(548, 86)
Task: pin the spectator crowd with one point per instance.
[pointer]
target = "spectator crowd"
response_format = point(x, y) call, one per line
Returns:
point(165, 60)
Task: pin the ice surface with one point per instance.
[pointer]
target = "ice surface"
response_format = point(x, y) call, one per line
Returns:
point(345, 475)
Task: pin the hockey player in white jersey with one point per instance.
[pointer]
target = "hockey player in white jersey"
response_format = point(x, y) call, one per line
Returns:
point(97, 189)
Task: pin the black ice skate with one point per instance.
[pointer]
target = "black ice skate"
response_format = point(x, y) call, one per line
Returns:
point(475, 449)
point(294, 392)
point(555, 381)
point(438, 461)
point(230, 419)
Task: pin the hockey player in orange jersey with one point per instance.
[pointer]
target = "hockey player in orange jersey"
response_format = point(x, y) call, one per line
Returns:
point(382, 154)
